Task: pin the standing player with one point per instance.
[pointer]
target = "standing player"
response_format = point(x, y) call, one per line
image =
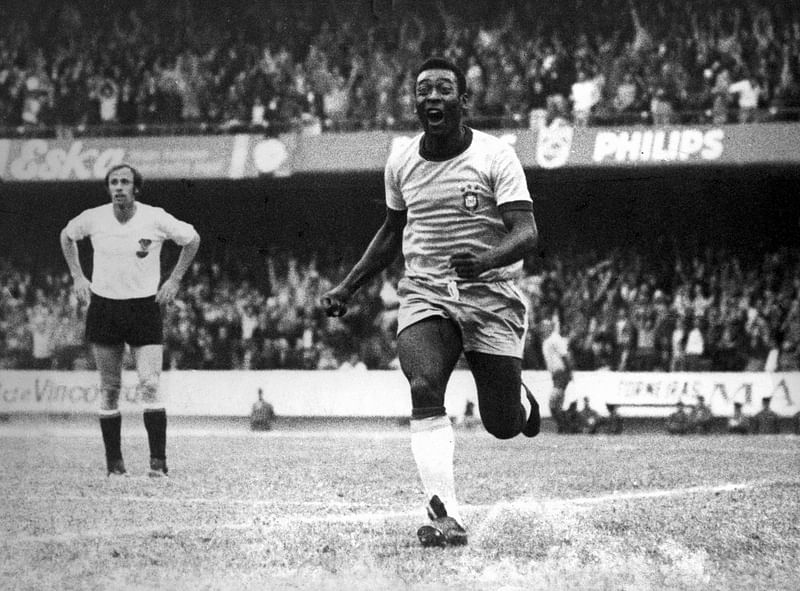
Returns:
point(262, 414)
point(124, 299)
point(558, 360)
point(459, 209)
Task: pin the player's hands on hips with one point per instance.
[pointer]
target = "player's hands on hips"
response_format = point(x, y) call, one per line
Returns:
point(335, 301)
point(467, 265)
point(82, 289)
point(167, 292)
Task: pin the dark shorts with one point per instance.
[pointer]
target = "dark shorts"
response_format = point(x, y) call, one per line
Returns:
point(115, 322)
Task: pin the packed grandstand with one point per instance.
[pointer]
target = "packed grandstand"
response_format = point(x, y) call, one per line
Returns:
point(86, 67)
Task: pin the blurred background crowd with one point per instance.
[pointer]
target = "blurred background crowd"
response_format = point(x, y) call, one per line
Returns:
point(145, 66)
point(689, 309)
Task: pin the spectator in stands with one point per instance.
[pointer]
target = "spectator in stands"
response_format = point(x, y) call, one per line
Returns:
point(695, 346)
point(625, 339)
point(127, 109)
point(720, 95)
point(747, 93)
point(584, 95)
point(785, 104)
point(645, 356)
point(336, 98)
point(536, 96)
point(107, 98)
point(626, 101)
point(661, 109)
point(678, 342)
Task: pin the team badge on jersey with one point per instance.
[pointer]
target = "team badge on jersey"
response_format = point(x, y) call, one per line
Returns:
point(470, 193)
point(144, 244)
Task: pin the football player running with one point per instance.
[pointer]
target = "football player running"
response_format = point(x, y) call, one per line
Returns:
point(459, 210)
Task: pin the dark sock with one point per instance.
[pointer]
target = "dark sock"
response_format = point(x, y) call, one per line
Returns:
point(111, 425)
point(531, 424)
point(155, 421)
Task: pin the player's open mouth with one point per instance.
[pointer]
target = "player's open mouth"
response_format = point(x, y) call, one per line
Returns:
point(435, 116)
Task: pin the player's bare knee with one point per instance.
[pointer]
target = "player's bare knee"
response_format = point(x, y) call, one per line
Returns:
point(109, 398)
point(147, 389)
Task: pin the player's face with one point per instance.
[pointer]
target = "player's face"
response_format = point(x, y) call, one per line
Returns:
point(120, 187)
point(439, 105)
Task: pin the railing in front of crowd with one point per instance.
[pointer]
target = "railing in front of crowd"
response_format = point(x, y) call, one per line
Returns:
point(184, 128)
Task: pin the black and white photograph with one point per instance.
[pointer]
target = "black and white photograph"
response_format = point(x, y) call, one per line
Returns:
point(400, 295)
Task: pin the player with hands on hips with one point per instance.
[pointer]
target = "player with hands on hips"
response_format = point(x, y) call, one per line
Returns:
point(124, 302)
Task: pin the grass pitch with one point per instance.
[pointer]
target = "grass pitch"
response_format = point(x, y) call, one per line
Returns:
point(337, 508)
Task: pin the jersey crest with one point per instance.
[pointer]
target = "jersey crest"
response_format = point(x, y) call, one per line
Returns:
point(144, 244)
point(470, 193)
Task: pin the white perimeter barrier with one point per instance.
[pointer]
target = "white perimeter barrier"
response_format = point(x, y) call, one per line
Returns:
point(385, 393)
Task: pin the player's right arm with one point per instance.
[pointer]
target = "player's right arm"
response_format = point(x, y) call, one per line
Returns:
point(384, 248)
point(70, 250)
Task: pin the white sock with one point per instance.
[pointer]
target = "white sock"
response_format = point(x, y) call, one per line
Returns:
point(433, 446)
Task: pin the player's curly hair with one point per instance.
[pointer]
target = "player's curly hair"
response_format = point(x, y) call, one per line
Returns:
point(441, 63)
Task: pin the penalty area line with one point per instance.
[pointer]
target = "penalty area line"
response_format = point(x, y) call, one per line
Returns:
point(493, 511)
point(529, 504)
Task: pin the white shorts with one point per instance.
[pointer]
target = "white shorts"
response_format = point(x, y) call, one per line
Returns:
point(492, 317)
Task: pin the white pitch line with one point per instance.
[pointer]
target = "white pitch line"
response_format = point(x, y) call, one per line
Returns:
point(494, 510)
point(532, 504)
point(634, 495)
point(44, 432)
point(194, 501)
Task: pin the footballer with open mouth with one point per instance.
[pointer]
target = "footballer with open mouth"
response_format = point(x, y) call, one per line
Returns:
point(440, 108)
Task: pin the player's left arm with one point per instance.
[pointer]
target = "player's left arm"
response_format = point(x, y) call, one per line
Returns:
point(169, 289)
point(516, 211)
point(520, 240)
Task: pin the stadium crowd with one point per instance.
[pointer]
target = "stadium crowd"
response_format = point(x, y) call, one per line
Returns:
point(702, 311)
point(128, 67)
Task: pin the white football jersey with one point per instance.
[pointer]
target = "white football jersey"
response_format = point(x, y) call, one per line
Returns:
point(127, 257)
point(452, 205)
